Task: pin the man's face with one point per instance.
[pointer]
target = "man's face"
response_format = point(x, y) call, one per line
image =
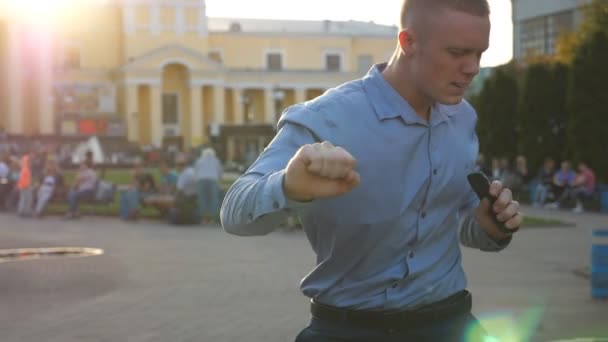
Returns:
point(447, 54)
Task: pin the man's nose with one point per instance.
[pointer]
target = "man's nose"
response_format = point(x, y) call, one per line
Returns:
point(471, 66)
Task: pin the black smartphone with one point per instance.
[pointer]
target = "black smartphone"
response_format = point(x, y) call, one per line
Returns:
point(481, 185)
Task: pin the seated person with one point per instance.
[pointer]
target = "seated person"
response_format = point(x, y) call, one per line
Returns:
point(6, 184)
point(582, 187)
point(545, 181)
point(168, 180)
point(185, 208)
point(51, 181)
point(13, 197)
point(163, 200)
point(562, 181)
point(84, 188)
point(143, 186)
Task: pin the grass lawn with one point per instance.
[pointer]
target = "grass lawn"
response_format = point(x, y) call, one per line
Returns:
point(531, 221)
point(119, 177)
point(122, 177)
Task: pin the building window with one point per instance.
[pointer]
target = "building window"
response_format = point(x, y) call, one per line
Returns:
point(216, 56)
point(235, 27)
point(71, 58)
point(539, 35)
point(365, 62)
point(274, 61)
point(556, 25)
point(333, 62)
point(170, 109)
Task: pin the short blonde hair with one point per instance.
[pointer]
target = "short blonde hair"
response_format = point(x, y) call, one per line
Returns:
point(412, 8)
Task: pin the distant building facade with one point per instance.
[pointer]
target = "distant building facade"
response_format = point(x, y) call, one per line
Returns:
point(537, 24)
point(163, 72)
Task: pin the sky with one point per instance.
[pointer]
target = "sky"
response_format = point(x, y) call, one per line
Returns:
point(382, 12)
point(379, 11)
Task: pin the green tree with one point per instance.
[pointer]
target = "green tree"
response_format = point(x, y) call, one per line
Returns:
point(595, 20)
point(534, 116)
point(542, 113)
point(588, 103)
point(497, 114)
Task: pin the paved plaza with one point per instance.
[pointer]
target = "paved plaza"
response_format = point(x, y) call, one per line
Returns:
point(162, 283)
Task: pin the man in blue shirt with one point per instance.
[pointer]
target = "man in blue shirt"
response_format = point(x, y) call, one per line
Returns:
point(377, 170)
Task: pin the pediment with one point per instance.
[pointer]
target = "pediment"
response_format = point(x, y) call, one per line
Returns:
point(157, 59)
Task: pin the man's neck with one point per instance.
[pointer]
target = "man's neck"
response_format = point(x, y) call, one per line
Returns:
point(398, 79)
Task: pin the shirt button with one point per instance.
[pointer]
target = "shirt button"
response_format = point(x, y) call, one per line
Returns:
point(423, 215)
point(250, 216)
point(395, 285)
point(411, 255)
point(275, 205)
point(435, 172)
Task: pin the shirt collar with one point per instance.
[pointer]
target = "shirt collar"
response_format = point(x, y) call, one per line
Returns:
point(388, 104)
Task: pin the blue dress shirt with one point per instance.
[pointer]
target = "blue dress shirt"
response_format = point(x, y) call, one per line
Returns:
point(393, 241)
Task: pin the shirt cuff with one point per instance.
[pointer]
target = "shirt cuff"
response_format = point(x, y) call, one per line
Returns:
point(489, 243)
point(280, 201)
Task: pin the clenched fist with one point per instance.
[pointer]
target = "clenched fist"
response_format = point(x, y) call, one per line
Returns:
point(320, 170)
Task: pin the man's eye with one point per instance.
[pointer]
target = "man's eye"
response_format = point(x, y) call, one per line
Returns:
point(457, 53)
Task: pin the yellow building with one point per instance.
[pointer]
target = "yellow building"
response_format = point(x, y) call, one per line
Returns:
point(161, 72)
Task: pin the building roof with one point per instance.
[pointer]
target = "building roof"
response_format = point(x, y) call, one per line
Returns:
point(309, 27)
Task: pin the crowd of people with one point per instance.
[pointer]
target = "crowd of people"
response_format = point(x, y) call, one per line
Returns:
point(549, 187)
point(187, 191)
point(187, 195)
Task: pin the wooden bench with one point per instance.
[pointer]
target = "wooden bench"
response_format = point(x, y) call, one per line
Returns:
point(105, 199)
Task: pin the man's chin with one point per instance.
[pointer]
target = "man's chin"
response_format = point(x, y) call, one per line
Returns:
point(450, 100)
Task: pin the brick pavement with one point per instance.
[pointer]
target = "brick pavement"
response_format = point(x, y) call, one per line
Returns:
point(161, 283)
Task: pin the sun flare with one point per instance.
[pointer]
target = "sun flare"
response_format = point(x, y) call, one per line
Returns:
point(39, 12)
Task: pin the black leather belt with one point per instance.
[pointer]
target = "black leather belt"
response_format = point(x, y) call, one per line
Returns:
point(457, 304)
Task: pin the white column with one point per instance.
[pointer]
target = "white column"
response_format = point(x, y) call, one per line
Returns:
point(180, 20)
point(300, 95)
point(128, 17)
point(269, 106)
point(202, 20)
point(15, 95)
point(132, 101)
point(46, 120)
point(219, 109)
point(156, 117)
point(196, 115)
point(237, 100)
point(155, 18)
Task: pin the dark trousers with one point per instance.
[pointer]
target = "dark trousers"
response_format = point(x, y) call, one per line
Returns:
point(75, 196)
point(461, 328)
point(5, 192)
point(448, 320)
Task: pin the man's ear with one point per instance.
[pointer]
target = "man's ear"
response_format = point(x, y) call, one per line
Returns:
point(406, 39)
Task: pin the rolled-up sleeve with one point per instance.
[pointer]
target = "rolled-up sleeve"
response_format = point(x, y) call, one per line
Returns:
point(256, 203)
